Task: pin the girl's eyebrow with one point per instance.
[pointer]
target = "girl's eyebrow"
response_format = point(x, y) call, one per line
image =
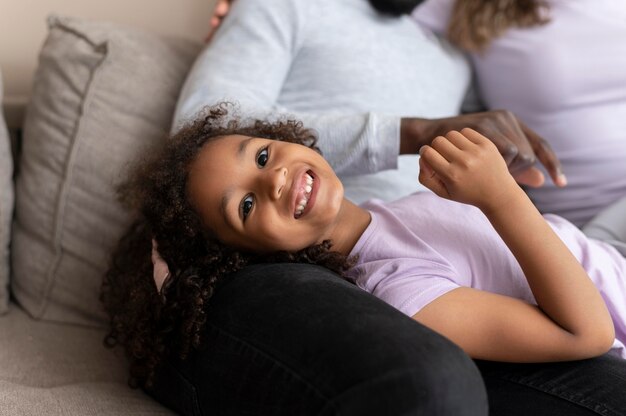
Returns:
point(242, 147)
point(241, 152)
point(224, 205)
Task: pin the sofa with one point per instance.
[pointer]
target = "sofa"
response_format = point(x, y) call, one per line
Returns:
point(102, 95)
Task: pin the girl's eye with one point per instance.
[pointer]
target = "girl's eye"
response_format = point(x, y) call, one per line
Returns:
point(246, 205)
point(262, 157)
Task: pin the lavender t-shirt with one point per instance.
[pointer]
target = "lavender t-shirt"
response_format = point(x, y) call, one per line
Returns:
point(420, 247)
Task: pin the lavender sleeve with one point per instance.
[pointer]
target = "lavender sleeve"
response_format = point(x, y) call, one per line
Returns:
point(408, 292)
point(391, 268)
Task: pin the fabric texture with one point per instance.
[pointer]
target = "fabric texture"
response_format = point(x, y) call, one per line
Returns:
point(327, 63)
point(58, 369)
point(6, 207)
point(102, 96)
point(593, 387)
point(314, 344)
point(567, 81)
point(327, 351)
point(610, 226)
point(423, 246)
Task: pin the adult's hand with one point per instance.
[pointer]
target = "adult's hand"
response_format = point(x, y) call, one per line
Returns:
point(519, 145)
point(221, 9)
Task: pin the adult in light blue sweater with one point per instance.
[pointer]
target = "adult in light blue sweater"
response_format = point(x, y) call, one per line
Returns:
point(372, 86)
point(294, 339)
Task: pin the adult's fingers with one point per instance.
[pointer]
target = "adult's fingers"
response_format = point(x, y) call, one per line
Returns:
point(545, 155)
point(505, 145)
point(524, 156)
point(221, 9)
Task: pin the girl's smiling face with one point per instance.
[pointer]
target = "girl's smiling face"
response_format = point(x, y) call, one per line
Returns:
point(265, 195)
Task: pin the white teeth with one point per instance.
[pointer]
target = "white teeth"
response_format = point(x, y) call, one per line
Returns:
point(307, 193)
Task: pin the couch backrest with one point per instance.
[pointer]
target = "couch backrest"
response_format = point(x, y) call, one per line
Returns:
point(188, 19)
point(103, 95)
point(6, 207)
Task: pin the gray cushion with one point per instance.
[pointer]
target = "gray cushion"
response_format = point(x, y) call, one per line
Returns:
point(6, 207)
point(58, 369)
point(103, 95)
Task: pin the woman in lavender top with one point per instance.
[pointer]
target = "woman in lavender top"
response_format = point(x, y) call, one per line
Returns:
point(560, 66)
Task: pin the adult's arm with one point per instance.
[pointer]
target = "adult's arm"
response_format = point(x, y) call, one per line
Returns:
point(250, 58)
point(520, 146)
point(248, 61)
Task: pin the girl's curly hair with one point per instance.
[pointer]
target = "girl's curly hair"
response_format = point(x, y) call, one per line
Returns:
point(152, 325)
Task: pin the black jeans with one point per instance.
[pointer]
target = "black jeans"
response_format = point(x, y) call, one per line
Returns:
point(293, 339)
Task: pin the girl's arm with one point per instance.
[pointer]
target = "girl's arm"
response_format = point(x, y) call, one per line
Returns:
point(571, 320)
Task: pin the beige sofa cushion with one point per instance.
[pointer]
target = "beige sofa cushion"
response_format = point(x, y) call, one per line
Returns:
point(6, 207)
point(58, 369)
point(102, 96)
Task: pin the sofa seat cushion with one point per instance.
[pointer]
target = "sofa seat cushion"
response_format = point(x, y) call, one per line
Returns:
point(49, 368)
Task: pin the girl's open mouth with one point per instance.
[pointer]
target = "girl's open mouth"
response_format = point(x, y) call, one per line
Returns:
point(304, 200)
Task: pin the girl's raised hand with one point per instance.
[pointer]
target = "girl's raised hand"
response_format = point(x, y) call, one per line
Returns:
point(466, 167)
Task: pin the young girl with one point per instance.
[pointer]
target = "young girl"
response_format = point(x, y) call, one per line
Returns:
point(474, 260)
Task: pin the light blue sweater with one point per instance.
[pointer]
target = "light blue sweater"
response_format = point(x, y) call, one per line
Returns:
point(340, 67)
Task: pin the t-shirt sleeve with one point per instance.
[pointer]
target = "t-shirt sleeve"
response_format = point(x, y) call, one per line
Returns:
point(247, 63)
point(406, 284)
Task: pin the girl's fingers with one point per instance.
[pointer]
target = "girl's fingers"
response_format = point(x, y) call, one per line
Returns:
point(435, 160)
point(474, 136)
point(446, 148)
point(459, 140)
point(429, 179)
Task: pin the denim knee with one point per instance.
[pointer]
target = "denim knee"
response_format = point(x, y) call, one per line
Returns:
point(446, 382)
point(296, 339)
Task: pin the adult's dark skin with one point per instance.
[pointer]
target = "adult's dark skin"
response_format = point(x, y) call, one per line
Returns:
point(521, 147)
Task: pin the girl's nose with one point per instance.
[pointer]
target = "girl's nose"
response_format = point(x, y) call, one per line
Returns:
point(277, 179)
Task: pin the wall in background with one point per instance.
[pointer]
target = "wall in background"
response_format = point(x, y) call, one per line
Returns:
point(23, 30)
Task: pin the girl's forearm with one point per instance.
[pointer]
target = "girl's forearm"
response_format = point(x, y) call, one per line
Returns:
point(561, 286)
